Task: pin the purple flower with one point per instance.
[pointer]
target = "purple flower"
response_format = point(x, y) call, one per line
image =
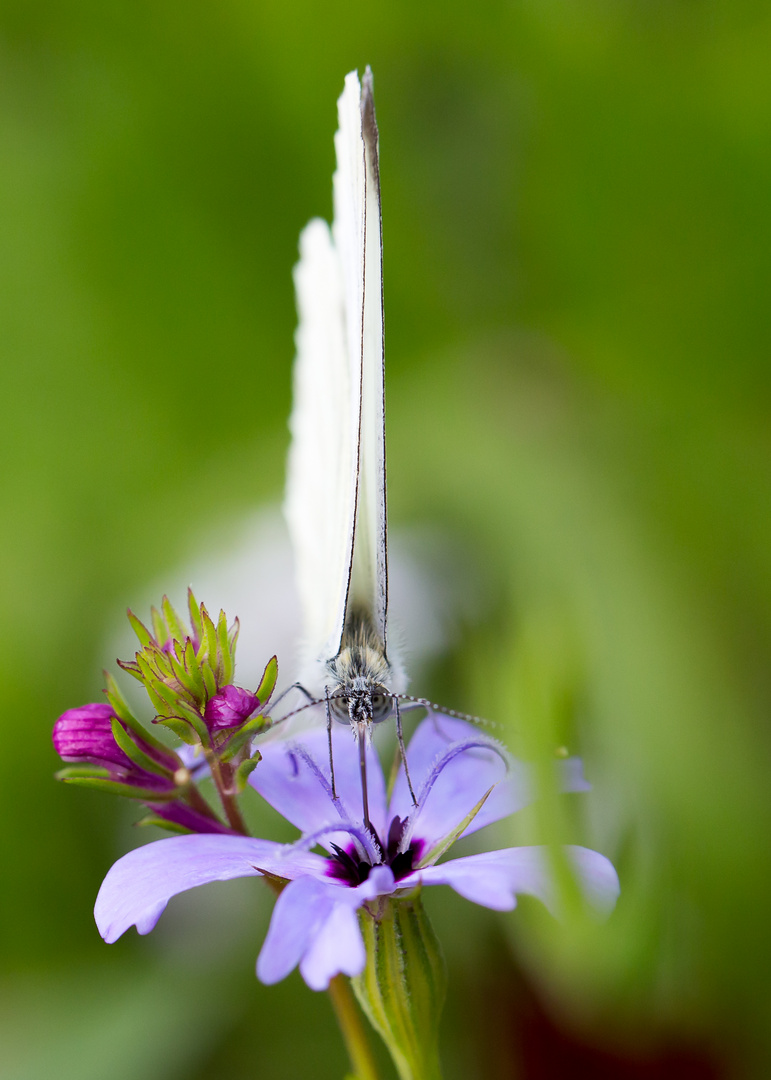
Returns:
point(229, 707)
point(463, 781)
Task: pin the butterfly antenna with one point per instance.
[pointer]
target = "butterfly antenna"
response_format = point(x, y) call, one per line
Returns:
point(402, 751)
point(433, 707)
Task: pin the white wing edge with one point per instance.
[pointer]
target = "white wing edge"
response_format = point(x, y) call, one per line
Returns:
point(336, 487)
point(321, 476)
point(357, 233)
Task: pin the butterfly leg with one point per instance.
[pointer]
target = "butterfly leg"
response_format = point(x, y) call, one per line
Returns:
point(295, 686)
point(402, 751)
point(329, 741)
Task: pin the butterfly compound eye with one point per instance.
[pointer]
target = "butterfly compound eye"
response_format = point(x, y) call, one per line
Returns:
point(381, 707)
point(338, 706)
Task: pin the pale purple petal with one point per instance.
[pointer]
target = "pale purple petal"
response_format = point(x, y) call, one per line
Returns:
point(518, 789)
point(336, 948)
point(138, 887)
point(466, 778)
point(300, 913)
point(314, 924)
point(294, 777)
point(494, 878)
point(462, 782)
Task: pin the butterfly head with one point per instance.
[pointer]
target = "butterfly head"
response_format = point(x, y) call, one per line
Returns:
point(360, 701)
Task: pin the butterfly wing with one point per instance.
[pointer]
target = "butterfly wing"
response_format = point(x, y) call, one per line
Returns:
point(335, 500)
point(358, 237)
point(321, 478)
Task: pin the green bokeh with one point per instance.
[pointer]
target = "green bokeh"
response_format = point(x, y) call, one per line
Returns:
point(577, 243)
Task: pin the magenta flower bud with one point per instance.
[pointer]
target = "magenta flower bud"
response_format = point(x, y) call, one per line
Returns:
point(229, 707)
point(84, 735)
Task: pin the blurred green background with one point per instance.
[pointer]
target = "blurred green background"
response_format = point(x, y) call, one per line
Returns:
point(577, 243)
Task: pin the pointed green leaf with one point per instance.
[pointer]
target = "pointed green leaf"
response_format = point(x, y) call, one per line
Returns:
point(195, 615)
point(194, 669)
point(139, 628)
point(210, 635)
point(195, 720)
point(183, 676)
point(162, 823)
point(223, 650)
point(121, 709)
point(128, 791)
point(268, 682)
point(439, 849)
point(159, 626)
point(132, 667)
point(244, 769)
point(118, 702)
point(161, 707)
point(178, 630)
point(72, 772)
point(244, 735)
point(208, 679)
point(182, 730)
point(134, 752)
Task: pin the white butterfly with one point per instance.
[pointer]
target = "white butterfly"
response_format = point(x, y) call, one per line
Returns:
point(336, 491)
point(336, 488)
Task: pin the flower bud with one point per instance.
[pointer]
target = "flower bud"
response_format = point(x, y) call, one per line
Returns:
point(113, 755)
point(229, 707)
point(185, 668)
point(84, 734)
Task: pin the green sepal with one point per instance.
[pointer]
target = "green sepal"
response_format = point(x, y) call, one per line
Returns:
point(209, 680)
point(209, 642)
point(132, 667)
point(195, 615)
point(74, 771)
point(225, 666)
point(193, 668)
point(177, 629)
point(162, 823)
point(128, 791)
point(446, 842)
point(244, 734)
point(402, 987)
point(161, 707)
point(181, 729)
point(166, 700)
point(244, 770)
point(268, 682)
point(159, 627)
point(134, 752)
point(233, 633)
point(186, 680)
point(121, 709)
point(139, 628)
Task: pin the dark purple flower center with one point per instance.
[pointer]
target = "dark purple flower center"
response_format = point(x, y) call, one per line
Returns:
point(347, 865)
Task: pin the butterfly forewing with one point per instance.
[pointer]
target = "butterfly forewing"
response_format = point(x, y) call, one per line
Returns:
point(321, 481)
point(369, 583)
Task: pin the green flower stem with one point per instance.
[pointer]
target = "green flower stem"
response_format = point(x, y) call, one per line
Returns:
point(222, 775)
point(402, 988)
point(194, 797)
point(354, 1035)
